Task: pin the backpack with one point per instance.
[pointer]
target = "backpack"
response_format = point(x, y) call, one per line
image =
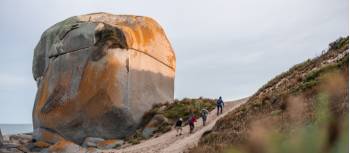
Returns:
point(204, 113)
point(178, 123)
point(219, 102)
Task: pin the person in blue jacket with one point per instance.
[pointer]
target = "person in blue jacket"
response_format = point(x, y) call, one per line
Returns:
point(219, 105)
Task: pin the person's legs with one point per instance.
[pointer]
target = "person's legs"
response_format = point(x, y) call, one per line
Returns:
point(191, 127)
point(220, 109)
point(217, 110)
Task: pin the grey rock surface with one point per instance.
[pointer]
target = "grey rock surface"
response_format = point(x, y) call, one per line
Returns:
point(65, 147)
point(91, 142)
point(97, 74)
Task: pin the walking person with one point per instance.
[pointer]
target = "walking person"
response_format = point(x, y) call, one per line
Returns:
point(178, 127)
point(191, 121)
point(204, 114)
point(219, 105)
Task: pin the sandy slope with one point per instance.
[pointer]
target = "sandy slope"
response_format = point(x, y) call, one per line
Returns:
point(170, 143)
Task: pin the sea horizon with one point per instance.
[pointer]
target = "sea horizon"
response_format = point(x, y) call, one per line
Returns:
point(15, 128)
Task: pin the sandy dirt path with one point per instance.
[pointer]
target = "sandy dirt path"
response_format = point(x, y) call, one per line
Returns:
point(170, 143)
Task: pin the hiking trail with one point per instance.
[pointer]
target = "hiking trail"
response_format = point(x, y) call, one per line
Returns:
point(170, 143)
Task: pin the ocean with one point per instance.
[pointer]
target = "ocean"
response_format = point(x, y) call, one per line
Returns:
point(7, 129)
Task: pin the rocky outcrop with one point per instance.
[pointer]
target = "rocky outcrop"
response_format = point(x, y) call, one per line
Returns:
point(23, 143)
point(16, 143)
point(156, 123)
point(1, 138)
point(97, 74)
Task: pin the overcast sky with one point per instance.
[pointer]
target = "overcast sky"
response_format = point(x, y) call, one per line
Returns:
point(223, 48)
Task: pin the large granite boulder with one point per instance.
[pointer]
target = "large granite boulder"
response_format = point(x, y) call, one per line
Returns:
point(97, 74)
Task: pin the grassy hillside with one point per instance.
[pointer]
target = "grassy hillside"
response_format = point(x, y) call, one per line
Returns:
point(304, 109)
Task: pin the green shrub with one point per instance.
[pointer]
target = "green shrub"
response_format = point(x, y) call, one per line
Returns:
point(186, 106)
point(172, 111)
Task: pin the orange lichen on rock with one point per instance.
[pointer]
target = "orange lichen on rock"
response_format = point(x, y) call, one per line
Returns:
point(97, 74)
point(41, 144)
point(142, 33)
point(46, 136)
point(65, 146)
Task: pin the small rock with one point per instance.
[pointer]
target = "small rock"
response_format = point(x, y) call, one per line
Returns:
point(41, 150)
point(156, 122)
point(148, 132)
point(66, 146)
point(162, 108)
point(10, 150)
point(91, 141)
point(41, 144)
point(45, 150)
point(20, 138)
point(109, 144)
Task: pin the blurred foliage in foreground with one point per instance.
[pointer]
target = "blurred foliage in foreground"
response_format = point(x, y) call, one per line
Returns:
point(327, 134)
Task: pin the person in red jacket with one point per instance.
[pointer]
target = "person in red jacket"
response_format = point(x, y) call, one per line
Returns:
point(191, 121)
